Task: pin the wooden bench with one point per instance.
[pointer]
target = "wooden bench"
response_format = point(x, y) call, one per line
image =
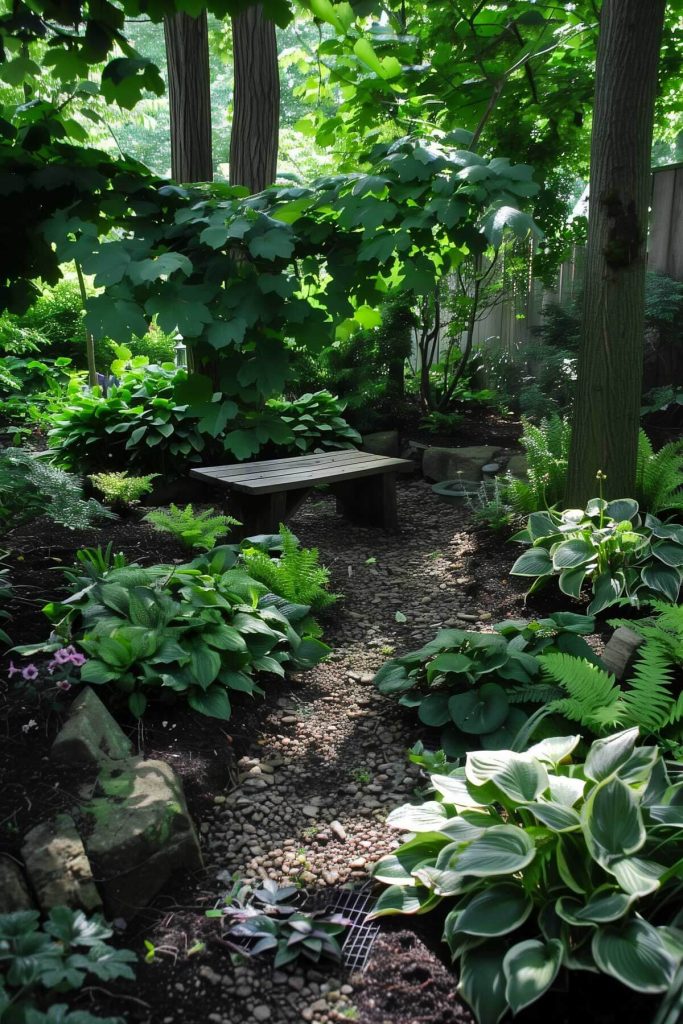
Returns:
point(268, 493)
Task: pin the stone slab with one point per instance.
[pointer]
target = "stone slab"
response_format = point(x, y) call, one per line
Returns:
point(382, 442)
point(139, 833)
point(439, 464)
point(57, 866)
point(14, 894)
point(621, 650)
point(90, 734)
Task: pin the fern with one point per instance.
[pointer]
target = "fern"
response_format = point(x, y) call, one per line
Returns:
point(296, 575)
point(649, 698)
point(533, 693)
point(31, 487)
point(659, 476)
point(594, 699)
point(193, 529)
point(547, 453)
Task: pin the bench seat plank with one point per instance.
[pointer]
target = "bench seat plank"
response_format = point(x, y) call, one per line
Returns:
point(301, 463)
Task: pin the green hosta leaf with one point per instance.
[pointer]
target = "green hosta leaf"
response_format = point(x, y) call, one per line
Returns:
point(622, 509)
point(601, 908)
point(403, 899)
point(398, 867)
point(612, 822)
point(137, 703)
point(555, 749)
point(668, 552)
point(555, 816)
point(442, 882)
point(502, 850)
point(443, 663)
point(607, 590)
point(573, 865)
point(607, 755)
point(572, 553)
point(482, 983)
point(495, 911)
point(634, 955)
point(571, 581)
point(454, 791)
point(426, 817)
point(479, 710)
point(96, 672)
point(205, 664)
point(530, 969)
point(636, 876)
point(534, 562)
point(213, 702)
point(434, 710)
point(518, 776)
point(663, 579)
point(504, 737)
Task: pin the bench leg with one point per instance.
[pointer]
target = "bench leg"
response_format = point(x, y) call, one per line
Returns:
point(263, 513)
point(370, 500)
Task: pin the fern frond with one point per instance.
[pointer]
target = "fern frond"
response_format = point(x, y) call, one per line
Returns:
point(593, 698)
point(533, 693)
point(659, 476)
point(296, 575)
point(649, 699)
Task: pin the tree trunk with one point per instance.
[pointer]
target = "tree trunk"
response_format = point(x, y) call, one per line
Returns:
point(607, 407)
point(256, 113)
point(189, 93)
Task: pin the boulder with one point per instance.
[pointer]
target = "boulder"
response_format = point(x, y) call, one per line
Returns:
point(517, 466)
point(383, 442)
point(620, 651)
point(57, 866)
point(90, 733)
point(14, 894)
point(456, 463)
point(139, 833)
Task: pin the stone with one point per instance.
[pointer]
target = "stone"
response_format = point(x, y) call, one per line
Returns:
point(383, 442)
point(621, 650)
point(58, 867)
point(90, 733)
point(517, 466)
point(261, 1012)
point(440, 464)
point(140, 833)
point(14, 894)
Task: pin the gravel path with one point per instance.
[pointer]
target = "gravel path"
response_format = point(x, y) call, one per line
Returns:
point(328, 760)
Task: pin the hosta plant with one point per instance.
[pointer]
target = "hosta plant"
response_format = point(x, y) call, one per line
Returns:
point(547, 866)
point(315, 421)
point(477, 687)
point(607, 546)
point(271, 919)
point(41, 962)
point(198, 631)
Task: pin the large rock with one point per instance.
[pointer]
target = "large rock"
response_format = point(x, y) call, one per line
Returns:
point(90, 733)
point(456, 463)
point(140, 833)
point(621, 651)
point(57, 866)
point(383, 442)
point(517, 466)
point(14, 894)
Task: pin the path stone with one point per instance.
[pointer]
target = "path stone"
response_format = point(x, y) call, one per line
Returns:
point(57, 866)
point(90, 733)
point(14, 894)
point(456, 463)
point(141, 833)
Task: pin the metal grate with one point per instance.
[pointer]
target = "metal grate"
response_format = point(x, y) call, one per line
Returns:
point(355, 905)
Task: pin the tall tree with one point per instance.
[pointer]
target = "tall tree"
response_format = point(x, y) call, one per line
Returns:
point(189, 91)
point(256, 113)
point(607, 406)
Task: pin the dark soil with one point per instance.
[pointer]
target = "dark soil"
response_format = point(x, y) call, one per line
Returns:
point(486, 428)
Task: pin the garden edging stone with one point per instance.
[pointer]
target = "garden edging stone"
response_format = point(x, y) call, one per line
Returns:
point(57, 866)
point(90, 734)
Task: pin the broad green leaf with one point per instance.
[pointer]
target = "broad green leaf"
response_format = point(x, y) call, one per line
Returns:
point(497, 910)
point(555, 816)
point(454, 791)
point(572, 553)
point(530, 969)
point(482, 983)
point(571, 581)
point(636, 876)
point(398, 867)
point(403, 899)
point(502, 850)
point(555, 749)
point(622, 509)
point(213, 702)
point(479, 710)
point(634, 955)
point(519, 776)
point(434, 709)
point(612, 822)
point(426, 817)
point(608, 754)
point(663, 579)
point(601, 908)
point(534, 562)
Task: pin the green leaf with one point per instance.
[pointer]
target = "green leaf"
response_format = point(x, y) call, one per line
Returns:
point(571, 581)
point(534, 562)
point(502, 850)
point(601, 908)
point(479, 710)
point(612, 822)
point(213, 702)
point(530, 969)
point(425, 817)
point(205, 664)
point(555, 816)
point(403, 899)
point(607, 755)
point(497, 910)
point(662, 579)
point(398, 867)
point(137, 703)
point(572, 553)
point(96, 672)
point(607, 590)
point(482, 983)
point(622, 509)
point(433, 710)
point(636, 876)
point(634, 955)
point(277, 243)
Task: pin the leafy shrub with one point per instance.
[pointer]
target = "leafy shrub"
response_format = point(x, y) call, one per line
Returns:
point(608, 546)
point(38, 961)
point(193, 529)
point(270, 919)
point(315, 421)
point(546, 866)
point(295, 575)
point(31, 487)
point(476, 687)
point(650, 698)
point(138, 426)
point(31, 390)
point(122, 491)
point(198, 631)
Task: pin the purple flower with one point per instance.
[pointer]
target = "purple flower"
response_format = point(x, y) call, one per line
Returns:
point(13, 670)
point(77, 659)
point(30, 672)
point(63, 656)
point(51, 666)
point(63, 684)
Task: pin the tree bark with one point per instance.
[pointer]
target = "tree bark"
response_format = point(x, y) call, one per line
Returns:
point(607, 408)
point(256, 104)
point(189, 93)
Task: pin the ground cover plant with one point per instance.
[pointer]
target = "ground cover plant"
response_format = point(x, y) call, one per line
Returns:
point(122, 491)
point(548, 863)
point(607, 546)
point(480, 688)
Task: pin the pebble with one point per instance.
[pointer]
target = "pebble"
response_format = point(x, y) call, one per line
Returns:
point(261, 1012)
